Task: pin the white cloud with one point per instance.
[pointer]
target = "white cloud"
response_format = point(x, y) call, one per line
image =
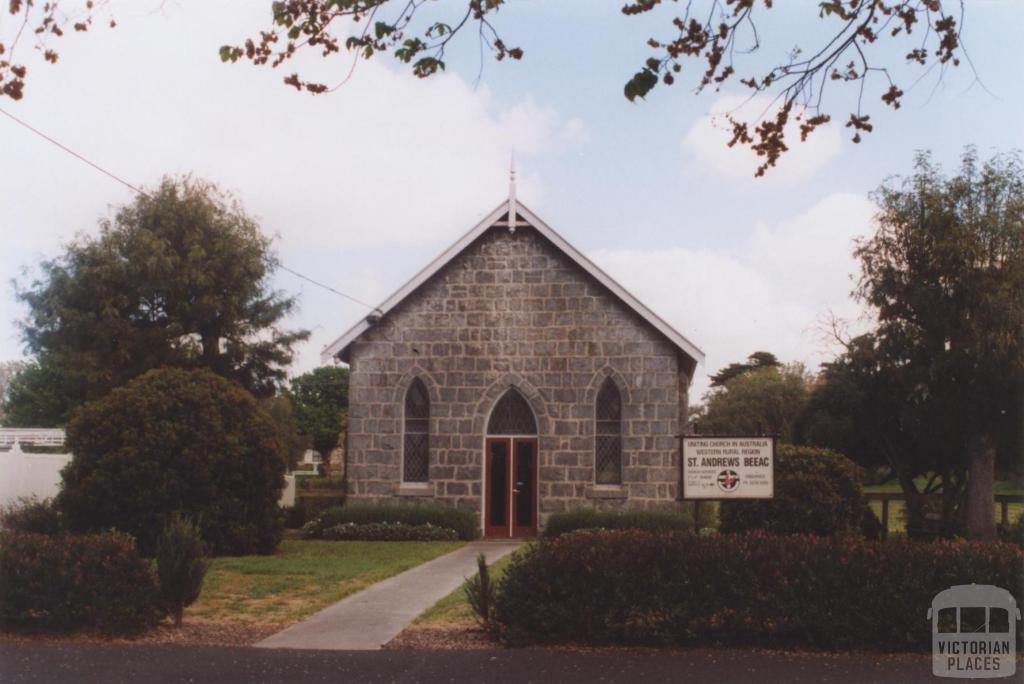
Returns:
point(706, 143)
point(388, 160)
point(767, 295)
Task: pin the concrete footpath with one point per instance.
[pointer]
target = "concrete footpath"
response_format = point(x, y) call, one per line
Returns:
point(367, 620)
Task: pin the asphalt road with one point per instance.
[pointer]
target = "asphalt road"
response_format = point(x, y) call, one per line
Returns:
point(55, 663)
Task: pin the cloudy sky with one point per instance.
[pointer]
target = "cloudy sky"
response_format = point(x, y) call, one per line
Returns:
point(363, 186)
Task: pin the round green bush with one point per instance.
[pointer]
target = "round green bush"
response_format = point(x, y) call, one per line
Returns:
point(180, 441)
point(817, 491)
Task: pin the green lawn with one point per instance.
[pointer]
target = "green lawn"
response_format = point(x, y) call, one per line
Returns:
point(302, 577)
point(453, 609)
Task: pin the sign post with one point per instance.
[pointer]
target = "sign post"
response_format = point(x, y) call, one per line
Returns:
point(724, 467)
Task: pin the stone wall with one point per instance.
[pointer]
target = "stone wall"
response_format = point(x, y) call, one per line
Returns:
point(512, 310)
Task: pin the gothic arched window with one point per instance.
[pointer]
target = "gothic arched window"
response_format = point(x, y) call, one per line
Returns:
point(608, 435)
point(416, 448)
point(512, 416)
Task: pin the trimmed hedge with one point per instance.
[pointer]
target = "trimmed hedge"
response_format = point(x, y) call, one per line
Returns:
point(63, 583)
point(388, 532)
point(628, 587)
point(593, 519)
point(817, 491)
point(465, 523)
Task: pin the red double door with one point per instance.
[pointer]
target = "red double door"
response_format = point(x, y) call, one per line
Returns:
point(510, 487)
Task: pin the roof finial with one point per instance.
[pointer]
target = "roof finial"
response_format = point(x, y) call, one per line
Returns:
point(512, 195)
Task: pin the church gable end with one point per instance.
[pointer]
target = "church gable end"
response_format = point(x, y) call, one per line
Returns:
point(512, 310)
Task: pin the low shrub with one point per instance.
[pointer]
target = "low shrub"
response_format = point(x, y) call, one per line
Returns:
point(388, 532)
point(465, 523)
point(96, 581)
point(817, 491)
point(479, 590)
point(29, 514)
point(592, 519)
point(629, 587)
point(181, 565)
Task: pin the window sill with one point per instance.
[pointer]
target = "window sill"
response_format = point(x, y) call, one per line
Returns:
point(606, 492)
point(415, 489)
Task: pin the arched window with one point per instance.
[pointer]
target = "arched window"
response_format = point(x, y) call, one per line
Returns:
point(608, 435)
point(416, 452)
point(512, 416)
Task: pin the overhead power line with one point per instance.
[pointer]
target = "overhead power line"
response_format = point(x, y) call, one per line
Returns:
point(128, 185)
point(70, 151)
point(326, 287)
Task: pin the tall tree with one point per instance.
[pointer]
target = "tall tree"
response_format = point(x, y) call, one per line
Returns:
point(757, 360)
point(38, 396)
point(9, 370)
point(178, 278)
point(320, 404)
point(945, 275)
point(765, 400)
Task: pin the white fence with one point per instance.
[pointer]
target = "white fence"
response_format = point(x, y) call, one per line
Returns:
point(26, 475)
point(38, 475)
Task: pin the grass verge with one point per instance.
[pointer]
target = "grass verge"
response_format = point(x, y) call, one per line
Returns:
point(303, 577)
point(453, 610)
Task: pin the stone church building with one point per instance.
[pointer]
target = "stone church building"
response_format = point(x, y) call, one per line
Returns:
point(512, 377)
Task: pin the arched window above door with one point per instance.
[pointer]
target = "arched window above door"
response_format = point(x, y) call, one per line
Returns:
point(512, 415)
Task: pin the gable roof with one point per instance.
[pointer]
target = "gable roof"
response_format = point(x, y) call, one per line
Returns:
point(524, 218)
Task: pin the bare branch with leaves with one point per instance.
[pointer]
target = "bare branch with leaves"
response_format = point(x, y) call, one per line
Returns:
point(40, 24)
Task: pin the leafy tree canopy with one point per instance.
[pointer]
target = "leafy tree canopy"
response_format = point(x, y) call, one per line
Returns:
point(37, 396)
point(279, 407)
point(762, 401)
point(177, 278)
point(944, 273)
point(759, 359)
point(320, 401)
point(8, 371)
point(937, 387)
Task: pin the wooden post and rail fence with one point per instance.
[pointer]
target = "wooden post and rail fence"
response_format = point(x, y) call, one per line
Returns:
point(1003, 501)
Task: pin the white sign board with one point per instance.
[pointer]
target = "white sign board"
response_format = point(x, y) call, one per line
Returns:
point(728, 467)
